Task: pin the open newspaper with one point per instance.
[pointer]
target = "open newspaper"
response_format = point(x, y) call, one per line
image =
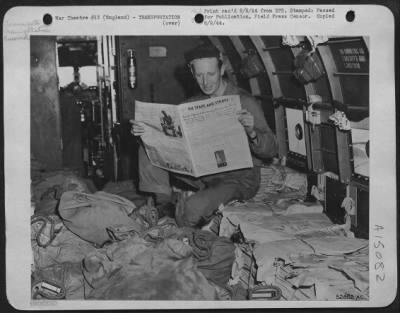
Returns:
point(195, 138)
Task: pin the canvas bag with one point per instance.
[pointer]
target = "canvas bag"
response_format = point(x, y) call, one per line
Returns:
point(308, 67)
point(218, 266)
point(91, 216)
point(215, 255)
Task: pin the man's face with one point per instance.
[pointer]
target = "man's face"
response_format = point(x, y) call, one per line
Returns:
point(208, 75)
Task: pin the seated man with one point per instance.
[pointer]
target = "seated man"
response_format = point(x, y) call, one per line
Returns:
point(207, 67)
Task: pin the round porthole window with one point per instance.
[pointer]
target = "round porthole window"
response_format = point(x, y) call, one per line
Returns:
point(298, 131)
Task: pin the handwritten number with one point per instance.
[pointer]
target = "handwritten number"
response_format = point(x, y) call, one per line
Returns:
point(379, 244)
point(379, 265)
point(380, 278)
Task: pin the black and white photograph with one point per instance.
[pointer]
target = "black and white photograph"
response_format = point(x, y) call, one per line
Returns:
point(298, 226)
point(314, 195)
point(220, 158)
point(168, 125)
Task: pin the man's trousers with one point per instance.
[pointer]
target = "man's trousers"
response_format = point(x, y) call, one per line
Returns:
point(211, 190)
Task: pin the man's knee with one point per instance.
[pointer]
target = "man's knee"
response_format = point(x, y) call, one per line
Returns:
point(196, 211)
point(249, 192)
point(199, 208)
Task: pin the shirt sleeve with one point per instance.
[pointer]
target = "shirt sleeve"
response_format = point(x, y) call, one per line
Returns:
point(265, 146)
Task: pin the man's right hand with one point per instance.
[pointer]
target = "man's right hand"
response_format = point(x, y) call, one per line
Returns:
point(137, 128)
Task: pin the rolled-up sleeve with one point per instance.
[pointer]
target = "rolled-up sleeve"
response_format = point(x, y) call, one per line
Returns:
point(266, 145)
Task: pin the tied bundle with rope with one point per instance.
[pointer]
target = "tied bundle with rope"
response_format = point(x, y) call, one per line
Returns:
point(215, 255)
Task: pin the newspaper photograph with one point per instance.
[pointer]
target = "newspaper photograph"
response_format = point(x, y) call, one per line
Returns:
point(164, 139)
point(196, 138)
point(200, 157)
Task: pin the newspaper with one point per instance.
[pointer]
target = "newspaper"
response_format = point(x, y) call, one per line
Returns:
point(195, 138)
point(160, 34)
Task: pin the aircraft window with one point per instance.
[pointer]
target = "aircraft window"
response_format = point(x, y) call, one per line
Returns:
point(65, 75)
point(88, 75)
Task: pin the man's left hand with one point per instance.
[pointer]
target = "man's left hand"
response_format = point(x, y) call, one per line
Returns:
point(247, 120)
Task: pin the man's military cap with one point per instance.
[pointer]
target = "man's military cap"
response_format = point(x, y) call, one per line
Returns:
point(202, 51)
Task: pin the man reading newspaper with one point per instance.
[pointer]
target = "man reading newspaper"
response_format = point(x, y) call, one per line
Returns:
point(207, 67)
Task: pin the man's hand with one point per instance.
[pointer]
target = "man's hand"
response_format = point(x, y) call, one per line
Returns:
point(137, 128)
point(247, 120)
